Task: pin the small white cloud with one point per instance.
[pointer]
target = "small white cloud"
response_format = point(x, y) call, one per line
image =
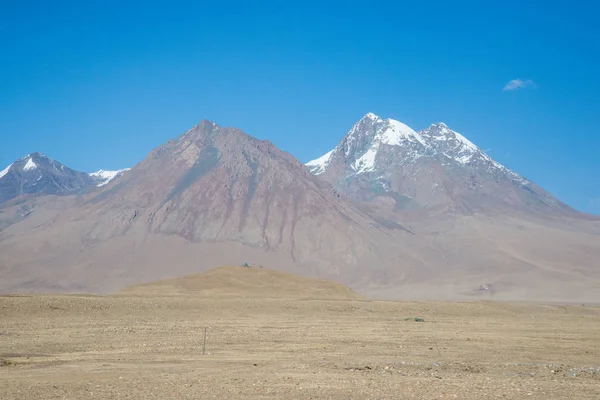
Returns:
point(519, 84)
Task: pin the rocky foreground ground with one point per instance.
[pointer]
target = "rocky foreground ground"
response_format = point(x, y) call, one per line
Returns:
point(151, 347)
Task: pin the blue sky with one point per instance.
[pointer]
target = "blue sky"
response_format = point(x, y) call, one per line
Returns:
point(98, 84)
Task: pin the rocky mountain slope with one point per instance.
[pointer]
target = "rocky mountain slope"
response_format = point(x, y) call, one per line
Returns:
point(437, 169)
point(36, 175)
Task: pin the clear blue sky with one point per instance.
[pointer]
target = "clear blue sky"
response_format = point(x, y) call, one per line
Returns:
point(98, 84)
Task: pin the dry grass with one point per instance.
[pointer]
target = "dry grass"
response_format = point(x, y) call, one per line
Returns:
point(141, 347)
point(277, 336)
point(236, 281)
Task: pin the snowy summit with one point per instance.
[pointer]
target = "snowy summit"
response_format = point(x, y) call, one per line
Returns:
point(362, 146)
point(362, 143)
point(37, 174)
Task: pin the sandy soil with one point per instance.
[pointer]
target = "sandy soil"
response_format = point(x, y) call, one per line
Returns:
point(150, 347)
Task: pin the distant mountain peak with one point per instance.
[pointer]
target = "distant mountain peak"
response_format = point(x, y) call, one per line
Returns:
point(371, 116)
point(203, 128)
point(207, 124)
point(37, 174)
point(35, 156)
point(386, 130)
point(362, 143)
point(434, 167)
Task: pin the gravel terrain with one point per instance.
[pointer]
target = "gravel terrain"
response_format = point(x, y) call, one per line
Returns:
point(151, 347)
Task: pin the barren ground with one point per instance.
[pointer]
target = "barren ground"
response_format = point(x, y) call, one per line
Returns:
point(144, 347)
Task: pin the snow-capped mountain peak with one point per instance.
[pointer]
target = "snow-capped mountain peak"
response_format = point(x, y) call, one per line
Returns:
point(434, 167)
point(371, 116)
point(37, 174)
point(386, 131)
point(104, 176)
point(362, 143)
point(375, 144)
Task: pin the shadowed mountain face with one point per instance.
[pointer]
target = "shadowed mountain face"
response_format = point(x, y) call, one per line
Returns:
point(38, 175)
point(436, 169)
point(215, 196)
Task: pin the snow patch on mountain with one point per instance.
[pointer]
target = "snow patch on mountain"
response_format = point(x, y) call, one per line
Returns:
point(5, 171)
point(463, 159)
point(319, 165)
point(366, 162)
point(105, 177)
point(29, 165)
point(395, 131)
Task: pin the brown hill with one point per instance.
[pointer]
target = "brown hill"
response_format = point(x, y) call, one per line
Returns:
point(231, 281)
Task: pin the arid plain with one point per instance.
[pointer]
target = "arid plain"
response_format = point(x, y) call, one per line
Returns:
point(307, 340)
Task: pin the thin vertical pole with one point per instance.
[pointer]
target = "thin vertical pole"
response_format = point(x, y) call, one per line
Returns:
point(204, 344)
point(436, 346)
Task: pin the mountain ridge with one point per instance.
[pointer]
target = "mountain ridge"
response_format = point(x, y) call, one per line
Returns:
point(435, 169)
point(37, 175)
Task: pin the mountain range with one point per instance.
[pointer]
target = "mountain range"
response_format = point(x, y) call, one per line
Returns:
point(35, 174)
point(390, 212)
